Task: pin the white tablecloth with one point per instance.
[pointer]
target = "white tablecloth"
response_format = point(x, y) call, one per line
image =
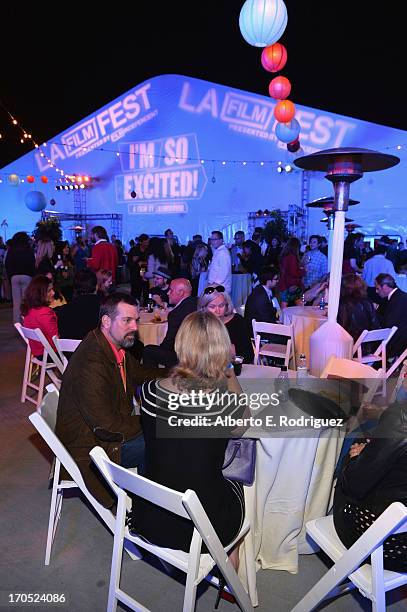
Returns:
point(241, 288)
point(294, 478)
point(151, 332)
point(305, 320)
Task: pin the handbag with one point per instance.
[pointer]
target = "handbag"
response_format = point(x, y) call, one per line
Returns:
point(240, 460)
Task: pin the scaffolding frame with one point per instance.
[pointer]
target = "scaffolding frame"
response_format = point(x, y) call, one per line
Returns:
point(80, 219)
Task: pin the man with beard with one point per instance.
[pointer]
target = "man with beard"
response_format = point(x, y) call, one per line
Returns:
point(97, 395)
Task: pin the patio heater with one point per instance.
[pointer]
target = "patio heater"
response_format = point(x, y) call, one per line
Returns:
point(343, 166)
point(328, 206)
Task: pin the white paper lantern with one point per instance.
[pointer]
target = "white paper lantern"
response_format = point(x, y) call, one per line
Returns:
point(262, 22)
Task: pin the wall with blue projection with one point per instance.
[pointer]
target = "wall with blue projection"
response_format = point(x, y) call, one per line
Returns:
point(200, 156)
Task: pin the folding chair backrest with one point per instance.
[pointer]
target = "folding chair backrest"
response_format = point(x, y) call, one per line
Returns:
point(59, 450)
point(260, 327)
point(347, 368)
point(353, 370)
point(129, 481)
point(400, 380)
point(49, 405)
point(65, 345)
point(375, 335)
point(37, 335)
point(393, 520)
point(18, 327)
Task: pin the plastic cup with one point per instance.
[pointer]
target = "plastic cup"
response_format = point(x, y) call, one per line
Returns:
point(237, 364)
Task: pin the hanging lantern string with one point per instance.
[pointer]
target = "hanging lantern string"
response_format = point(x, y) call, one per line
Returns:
point(28, 138)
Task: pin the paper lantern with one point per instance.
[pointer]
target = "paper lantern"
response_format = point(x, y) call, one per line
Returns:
point(44, 179)
point(284, 111)
point(280, 88)
point(274, 57)
point(35, 200)
point(30, 179)
point(262, 22)
point(287, 132)
point(13, 179)
point(293, 146)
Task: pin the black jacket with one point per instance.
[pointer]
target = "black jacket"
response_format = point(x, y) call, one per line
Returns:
point(394, 312)
point(94, 409)
point(79, 317)
point(378, 476)
point(175, 318)
point(259, 307)
point(356, 316)
point(20, 261)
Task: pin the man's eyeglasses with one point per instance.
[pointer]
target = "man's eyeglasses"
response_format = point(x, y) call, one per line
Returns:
point(218, 288)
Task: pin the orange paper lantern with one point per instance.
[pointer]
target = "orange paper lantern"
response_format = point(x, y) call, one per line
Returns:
point(44, 179)
point(284, 111)
point(30, 179)
point(274, 57)
point(280, 88)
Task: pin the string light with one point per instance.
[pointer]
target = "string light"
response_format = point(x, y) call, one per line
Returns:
point(27, 137)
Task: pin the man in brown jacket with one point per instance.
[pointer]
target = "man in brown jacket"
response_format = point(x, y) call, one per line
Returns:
point(96, 398)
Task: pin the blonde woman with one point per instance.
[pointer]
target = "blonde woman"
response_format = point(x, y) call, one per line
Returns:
point(43, 256)
point(216, 300)
point(185, 460)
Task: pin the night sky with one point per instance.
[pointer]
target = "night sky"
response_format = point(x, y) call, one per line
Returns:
point(61, 64)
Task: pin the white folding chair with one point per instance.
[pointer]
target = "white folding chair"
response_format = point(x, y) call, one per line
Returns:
point(400, 380)
point(282, 351)
point(375, 335)
point(65, 345)
point(46, 366)
point(350, 369)
point(396, 363)
point(196, 566)
point(372, 580)
point(63, 457)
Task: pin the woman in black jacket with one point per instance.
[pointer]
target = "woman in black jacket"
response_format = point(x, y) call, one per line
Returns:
point(20, 268)
point(373, 477)
point(356, 312)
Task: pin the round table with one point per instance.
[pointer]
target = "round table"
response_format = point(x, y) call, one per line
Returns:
point(305, 320)
point(150, 331)
point(241, 288)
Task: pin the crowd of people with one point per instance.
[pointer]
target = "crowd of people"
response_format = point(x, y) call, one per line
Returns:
point(74, 292)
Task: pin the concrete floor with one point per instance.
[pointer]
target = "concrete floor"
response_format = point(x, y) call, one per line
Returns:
point(80, 561)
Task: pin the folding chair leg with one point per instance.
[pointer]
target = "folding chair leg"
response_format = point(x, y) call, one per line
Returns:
point(54, 512)
point(378, 592)
point(117, 556)
point(27, 375)
point(192, 574)
point(41, 387)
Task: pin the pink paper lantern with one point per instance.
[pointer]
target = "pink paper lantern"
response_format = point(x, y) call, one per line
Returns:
point(274, 57)
point(280, 88)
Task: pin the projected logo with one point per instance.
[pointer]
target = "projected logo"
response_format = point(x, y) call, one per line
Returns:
point(160, 172)
point(253, 116)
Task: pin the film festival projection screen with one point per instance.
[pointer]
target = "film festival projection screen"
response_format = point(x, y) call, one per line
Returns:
point(195, 156)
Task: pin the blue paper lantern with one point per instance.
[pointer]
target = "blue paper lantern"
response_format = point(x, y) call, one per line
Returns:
point(262, 22)
point(287, 132)
point(35, 200)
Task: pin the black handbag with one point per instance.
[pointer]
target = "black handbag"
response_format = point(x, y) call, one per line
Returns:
point(240, 460)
